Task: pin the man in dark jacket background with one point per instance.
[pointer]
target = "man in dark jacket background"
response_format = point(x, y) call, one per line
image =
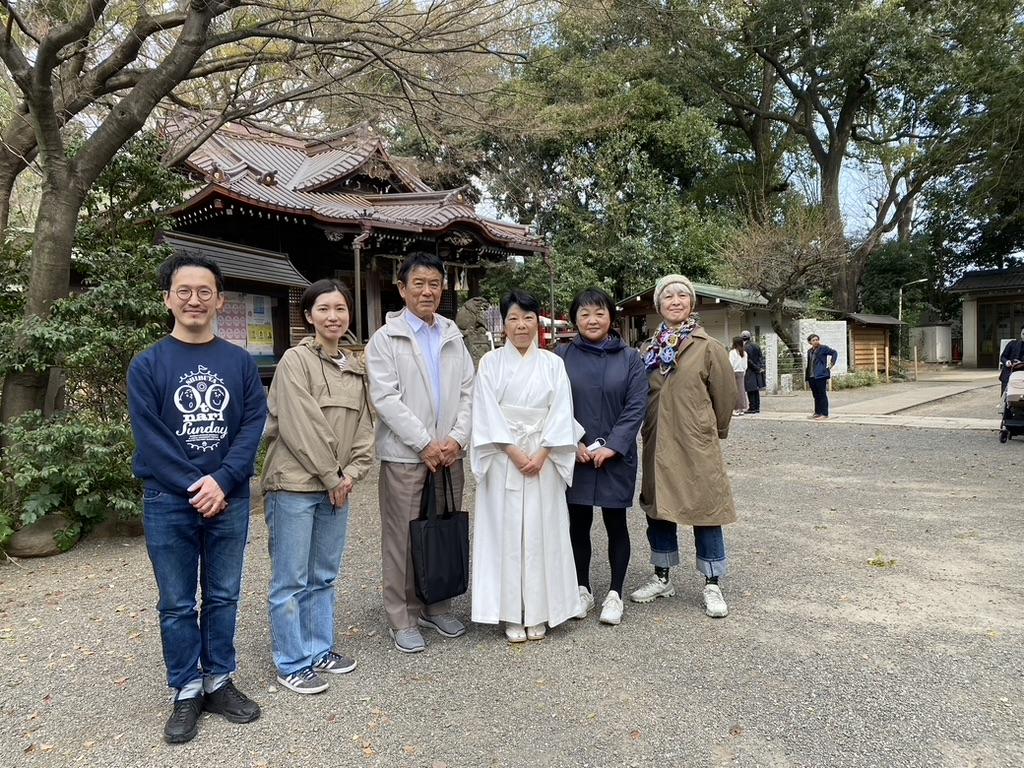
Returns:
point(753, 380)
point(820, 359)
point(1014, 350)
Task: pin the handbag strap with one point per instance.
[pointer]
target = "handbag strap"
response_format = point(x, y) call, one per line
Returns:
point(428, 498)
point(449, 492)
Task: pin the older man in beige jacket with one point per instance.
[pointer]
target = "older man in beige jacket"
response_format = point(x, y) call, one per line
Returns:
point(421, 381)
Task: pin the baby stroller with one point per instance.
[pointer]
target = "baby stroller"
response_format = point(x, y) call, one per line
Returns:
point(1013, 404)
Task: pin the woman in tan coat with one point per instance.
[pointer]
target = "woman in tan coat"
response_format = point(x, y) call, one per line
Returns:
point(689, 405)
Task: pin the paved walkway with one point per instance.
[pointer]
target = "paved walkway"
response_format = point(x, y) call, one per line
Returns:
point(893, 420)
point(887, 405)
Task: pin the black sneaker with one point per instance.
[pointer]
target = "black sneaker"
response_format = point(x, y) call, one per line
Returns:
point(183, 724)
point(232, 704)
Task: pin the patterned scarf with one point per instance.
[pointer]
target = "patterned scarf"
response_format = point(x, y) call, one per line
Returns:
point(665, 345)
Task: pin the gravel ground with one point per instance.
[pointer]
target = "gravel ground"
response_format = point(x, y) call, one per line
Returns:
point(877, 619)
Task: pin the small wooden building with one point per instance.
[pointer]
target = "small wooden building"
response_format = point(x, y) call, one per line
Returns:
point(872, 341)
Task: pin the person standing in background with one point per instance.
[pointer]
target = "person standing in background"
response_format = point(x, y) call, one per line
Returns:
point(754, 381)
point(820, 360)
point(738, 361)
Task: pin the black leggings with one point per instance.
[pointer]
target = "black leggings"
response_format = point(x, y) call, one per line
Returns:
point(580, 520)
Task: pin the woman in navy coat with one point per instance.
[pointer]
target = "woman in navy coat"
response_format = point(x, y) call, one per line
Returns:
point(609, 395)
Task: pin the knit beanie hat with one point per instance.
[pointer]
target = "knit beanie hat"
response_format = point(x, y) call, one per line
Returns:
point(668, 280)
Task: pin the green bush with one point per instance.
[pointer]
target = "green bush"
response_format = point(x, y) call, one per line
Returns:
point(855, 380)
point(74, 463)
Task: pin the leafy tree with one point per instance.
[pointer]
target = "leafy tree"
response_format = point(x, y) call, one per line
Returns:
point(605, 158)
point(76, 458)
point(975, 213)
point(785, 258)
point(883, 86)
point(118, 62)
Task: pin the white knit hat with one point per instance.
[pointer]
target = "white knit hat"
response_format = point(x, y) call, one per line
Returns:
point(668, 280)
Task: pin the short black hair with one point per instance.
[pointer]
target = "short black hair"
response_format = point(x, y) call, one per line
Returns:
point(418, 259)
point(812, 336)
point(592, 297)
point(318, 289)
point(521, 299)
point(165, 274)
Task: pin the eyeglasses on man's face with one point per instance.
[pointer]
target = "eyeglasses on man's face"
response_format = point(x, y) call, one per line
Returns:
point(184, 293)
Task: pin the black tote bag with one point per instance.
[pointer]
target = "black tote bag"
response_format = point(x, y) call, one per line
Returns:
point(440, 544)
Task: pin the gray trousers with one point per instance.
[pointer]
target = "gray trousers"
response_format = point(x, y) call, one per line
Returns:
point(399, 489)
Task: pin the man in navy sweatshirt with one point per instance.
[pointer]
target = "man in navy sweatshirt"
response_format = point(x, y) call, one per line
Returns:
point(197, 408)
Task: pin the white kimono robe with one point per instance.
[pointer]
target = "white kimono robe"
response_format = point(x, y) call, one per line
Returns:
point(523, 569)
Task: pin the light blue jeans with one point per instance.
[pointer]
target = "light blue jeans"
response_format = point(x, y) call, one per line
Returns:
point(307, 541)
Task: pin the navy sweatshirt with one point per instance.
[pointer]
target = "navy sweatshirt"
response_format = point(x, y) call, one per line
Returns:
point(196, 409)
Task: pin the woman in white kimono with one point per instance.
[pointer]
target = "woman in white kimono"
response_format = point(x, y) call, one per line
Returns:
point(523, 453)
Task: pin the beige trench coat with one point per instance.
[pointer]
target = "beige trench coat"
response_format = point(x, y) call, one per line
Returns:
point(688, 412)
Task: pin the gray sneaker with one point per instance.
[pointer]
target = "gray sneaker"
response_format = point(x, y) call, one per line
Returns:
point(444, 623)
point(653, 589)
point(305, 681)
point(334, 664)
point(714, 602)
point(408, 640)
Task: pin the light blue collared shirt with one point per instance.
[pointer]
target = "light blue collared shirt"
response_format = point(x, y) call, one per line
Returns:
point(429, 339)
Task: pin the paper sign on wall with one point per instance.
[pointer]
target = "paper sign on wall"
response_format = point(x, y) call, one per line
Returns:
point(259, 325)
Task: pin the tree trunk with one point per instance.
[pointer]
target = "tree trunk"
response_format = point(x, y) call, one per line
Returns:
point(49, 280)
point(905, 226)
point(17, 150)
point(782, 330)
point(848, 275)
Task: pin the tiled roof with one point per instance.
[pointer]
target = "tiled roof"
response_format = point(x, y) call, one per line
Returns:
point(287, 174)
point(1009, 280)
point(866, 319)
point(238, 261)
point(728, 295)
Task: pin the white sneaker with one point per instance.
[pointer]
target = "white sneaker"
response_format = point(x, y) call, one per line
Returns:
point(714, 603)
point(611, 609)
point(586, 603)
point(652, 589)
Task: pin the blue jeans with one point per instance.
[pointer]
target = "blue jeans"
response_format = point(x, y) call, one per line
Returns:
point(708, 541)
point(307, 541)
point(185, 549)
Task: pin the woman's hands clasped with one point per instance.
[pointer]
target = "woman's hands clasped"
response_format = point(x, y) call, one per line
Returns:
point(529, 466)
point(599, 457)
point(339, 493)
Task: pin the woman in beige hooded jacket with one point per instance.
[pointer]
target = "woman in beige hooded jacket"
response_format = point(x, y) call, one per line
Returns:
point(320, 443)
